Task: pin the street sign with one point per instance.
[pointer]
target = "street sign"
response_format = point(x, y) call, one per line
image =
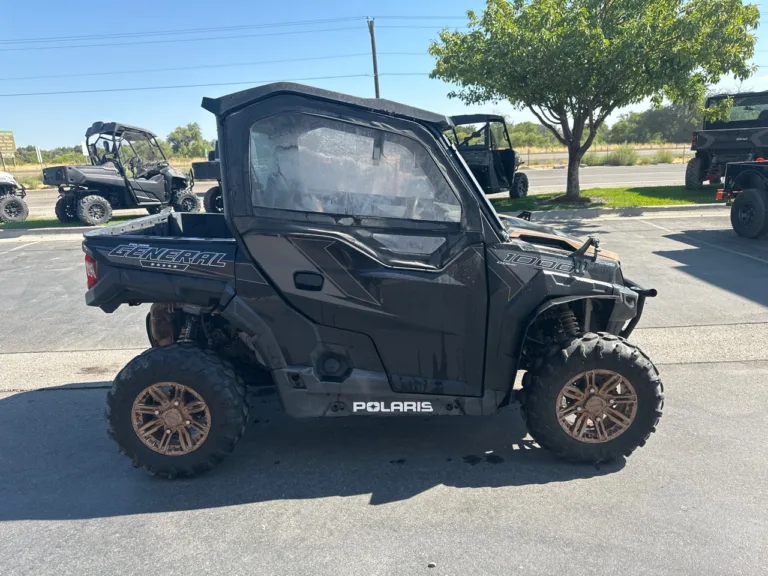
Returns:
point(7, 144)
point(39, 156)
point(84, 149)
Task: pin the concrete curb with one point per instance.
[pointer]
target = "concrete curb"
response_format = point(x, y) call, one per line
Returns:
point(20, 232)
point(630, 212)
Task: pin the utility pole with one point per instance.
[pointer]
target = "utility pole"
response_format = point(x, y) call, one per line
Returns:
point(373, 53)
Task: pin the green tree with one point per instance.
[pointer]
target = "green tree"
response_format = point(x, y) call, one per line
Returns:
point(188, 141)
point(573, 62)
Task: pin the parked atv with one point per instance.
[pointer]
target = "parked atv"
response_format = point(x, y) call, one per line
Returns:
point(489, 154)
point(13, 207)
point(213, 201)
point(128, 170)
point(359, 271)
point(743, 137)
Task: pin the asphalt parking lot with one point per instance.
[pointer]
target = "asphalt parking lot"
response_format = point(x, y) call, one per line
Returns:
point(388, 496)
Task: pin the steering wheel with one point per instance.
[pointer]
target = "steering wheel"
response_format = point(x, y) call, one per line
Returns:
point(136, 166)
point(466, 140)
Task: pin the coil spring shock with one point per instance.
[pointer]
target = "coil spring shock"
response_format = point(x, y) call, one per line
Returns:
point(569, 323)
point(188, 332)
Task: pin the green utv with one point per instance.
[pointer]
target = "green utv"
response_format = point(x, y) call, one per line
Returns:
point(358, 270)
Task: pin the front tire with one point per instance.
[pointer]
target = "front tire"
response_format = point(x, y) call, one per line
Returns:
point(186, 201)
point(13, 209)
point(177, 410)
point(598, 399)
point(65, 209)
point(694, 174)
point(519, 188)
point(749, 213)
point(213, 201)
point(94, 210)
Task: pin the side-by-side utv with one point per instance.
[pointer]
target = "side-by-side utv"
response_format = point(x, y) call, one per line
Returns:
point(128, 170)
point(360, 271)
point(488, 152)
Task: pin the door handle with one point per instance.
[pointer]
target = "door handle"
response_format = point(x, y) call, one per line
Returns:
point(311, 281)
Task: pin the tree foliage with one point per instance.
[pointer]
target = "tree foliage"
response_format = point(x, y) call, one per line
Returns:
point(574, 62)
point(188, 142)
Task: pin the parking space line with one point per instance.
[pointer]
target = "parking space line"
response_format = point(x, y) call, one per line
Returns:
point(709, 244)
point(19, 247)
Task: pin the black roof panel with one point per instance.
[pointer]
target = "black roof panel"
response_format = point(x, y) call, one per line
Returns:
point(475, 118)
point(736, 95)
point(116, 127)
point(225, 105)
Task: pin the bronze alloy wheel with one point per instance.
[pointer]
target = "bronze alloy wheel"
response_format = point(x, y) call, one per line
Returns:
point(171, 418)
point(596, 406)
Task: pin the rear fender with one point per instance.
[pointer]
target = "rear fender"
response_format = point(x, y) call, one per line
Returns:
point(749, 179)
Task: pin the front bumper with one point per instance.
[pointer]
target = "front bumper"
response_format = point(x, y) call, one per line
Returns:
point(642, 294)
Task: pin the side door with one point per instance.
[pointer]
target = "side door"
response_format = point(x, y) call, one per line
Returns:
point(149, 189)
point(356, 221)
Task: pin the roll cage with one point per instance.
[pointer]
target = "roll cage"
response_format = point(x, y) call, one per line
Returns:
point(142, 144)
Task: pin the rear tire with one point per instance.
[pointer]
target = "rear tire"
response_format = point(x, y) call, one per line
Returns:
point(519, 188)
point(605, 438)
point(186, 201)
point(694, 174)
point(749, 213)
point(94, 210)
point(212, 382)
point(65, 209)
point(213, 201)
point(13, 209)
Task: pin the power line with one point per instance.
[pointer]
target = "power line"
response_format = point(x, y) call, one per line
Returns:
point(207, 85)
point(203, 66)
point(217, 29)
point(176, 40)
point(178, 31)
point(111, 45)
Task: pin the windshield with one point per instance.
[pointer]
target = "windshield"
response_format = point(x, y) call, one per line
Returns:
point(746, 111)
point(477, 136)
point(141, 147)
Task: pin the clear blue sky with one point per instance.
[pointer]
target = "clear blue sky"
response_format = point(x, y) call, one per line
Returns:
point(56, 120)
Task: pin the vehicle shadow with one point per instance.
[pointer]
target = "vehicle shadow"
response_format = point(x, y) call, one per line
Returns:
point(739, 266)
point(57, 462)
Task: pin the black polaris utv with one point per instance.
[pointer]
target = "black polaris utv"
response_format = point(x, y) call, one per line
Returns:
point(488, 152)
point(13, 207)
point(358, 270)
point(128, 170)
point(743, 137)
point(213, 202)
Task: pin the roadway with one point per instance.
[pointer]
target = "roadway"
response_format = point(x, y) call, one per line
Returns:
point(41, 202)
point(387, 496)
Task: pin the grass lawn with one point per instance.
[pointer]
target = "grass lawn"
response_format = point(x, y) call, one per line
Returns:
point(33, 223)
point(611, 198)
